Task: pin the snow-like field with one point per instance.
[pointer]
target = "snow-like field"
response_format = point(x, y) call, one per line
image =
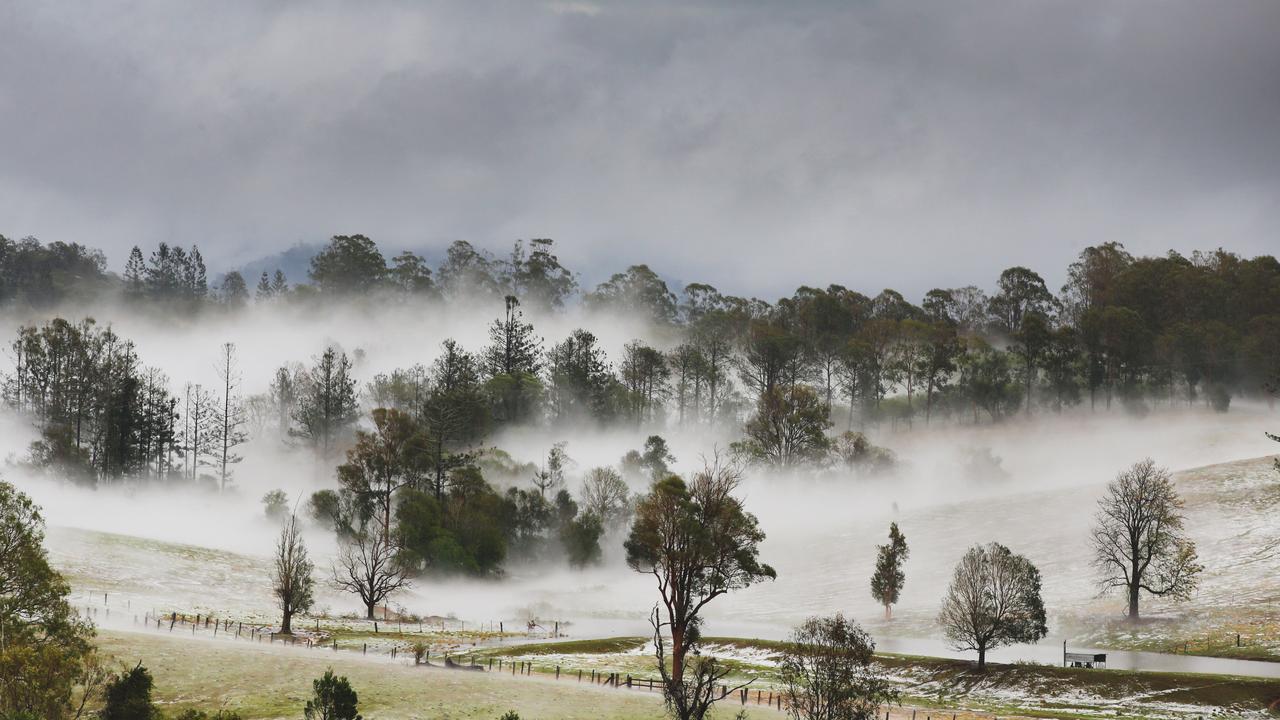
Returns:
point(200, 553)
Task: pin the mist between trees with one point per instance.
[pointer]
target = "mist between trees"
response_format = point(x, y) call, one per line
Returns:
point(412, 454)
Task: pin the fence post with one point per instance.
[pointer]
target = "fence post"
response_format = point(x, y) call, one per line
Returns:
point(557, 672)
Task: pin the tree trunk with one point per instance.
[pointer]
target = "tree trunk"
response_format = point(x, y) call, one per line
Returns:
point(677, 653)
point(286, 626)
point(1133, 602)
point(982, 659)
point(888, 611)
point(369, 612)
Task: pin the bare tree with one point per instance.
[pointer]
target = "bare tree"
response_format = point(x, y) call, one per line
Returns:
point(291, 580)
point(827, 672)
point(199, 432)
point(368, 565)
point(605, 494)
point(699, 542)
point(994, 599)
point(229, 419)
point(1138, 543)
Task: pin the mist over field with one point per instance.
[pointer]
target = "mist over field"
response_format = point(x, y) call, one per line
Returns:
point(600, 360)
point(1031, 483)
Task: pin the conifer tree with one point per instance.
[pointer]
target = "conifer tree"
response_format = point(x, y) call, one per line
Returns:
point(886, 583)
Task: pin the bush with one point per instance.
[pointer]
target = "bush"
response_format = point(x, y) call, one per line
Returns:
point(275, 504)
point(332, 699)
point(128, 696)
point(581, 539)
point(202, 715)
point(419, 650)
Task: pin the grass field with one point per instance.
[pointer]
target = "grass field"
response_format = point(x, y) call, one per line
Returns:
point(271, 681)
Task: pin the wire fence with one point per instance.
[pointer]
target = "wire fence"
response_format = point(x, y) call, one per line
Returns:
point(762, 697)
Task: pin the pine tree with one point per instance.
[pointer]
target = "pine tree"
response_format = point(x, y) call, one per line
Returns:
point(886, 583)
point(134, 274)
point(511, 363)
point(196, 275)
point(264, 291)
point(279, 285)
point(327, 405)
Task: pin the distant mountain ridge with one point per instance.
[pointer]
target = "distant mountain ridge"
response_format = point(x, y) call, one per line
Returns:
point(294, 262)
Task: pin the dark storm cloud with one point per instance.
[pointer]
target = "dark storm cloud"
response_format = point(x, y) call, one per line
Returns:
point(752, 145)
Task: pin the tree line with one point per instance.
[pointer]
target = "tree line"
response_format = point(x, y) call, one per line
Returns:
point(1123, 328)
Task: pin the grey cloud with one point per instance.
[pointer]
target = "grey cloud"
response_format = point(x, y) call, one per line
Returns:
point(756, 146)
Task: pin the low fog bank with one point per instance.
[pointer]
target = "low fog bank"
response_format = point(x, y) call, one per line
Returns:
point(380, 338)
point(1030, 482)
point(1031, 485)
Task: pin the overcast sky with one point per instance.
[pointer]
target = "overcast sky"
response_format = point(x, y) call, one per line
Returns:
point(756, 146)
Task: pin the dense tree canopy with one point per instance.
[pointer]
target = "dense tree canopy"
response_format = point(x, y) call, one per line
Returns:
point(46, 650)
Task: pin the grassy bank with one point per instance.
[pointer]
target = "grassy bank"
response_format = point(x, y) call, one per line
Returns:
point(927, 682)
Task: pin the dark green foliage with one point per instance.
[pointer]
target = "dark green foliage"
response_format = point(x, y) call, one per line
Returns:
point(350, 264)
point(699, 543)
point(536, 276)
point(410, 274)
point(234, 292)
point(332, 699)
point(1022, 293)
point(470, 273)
point(887, 582)
point(644, 374)
point(464, 533)
point(325, 508)
point(101, 414)
point(789, 428)
point(581, 539)
point(171, 275)
point(40, 276)
point(580, 383)
point(827, 672)
point(128, 696)
point(638, 290)
point(46, 645)
point(454, 415)
point(326, 406)
point(652, 462)
point(202, 715)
